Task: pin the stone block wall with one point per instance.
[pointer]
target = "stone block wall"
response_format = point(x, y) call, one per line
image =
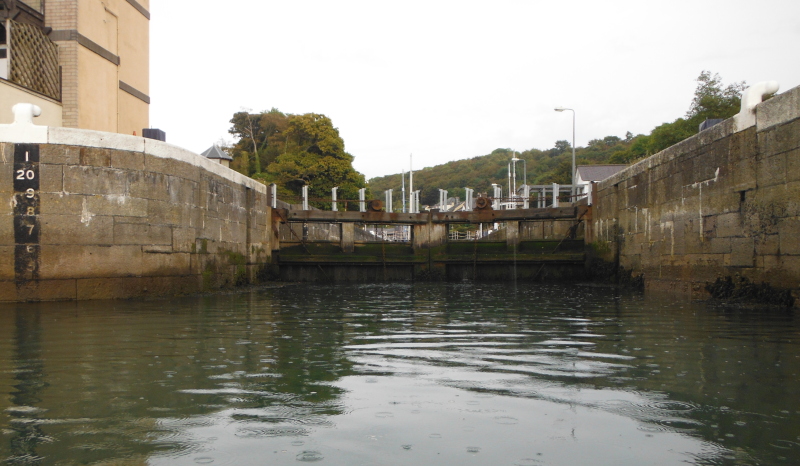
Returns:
point(100, 215)
point(725, 202)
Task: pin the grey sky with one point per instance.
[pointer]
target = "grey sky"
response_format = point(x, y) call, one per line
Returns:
point(448, 80)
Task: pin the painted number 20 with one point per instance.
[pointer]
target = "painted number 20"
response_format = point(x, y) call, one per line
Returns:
point(25, 174)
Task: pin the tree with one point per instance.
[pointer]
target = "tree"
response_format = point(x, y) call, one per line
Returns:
point(560, 147)
point(711, 100)
point(244, 125)
point(669, 134)
point(313, 155)
point(260, 138)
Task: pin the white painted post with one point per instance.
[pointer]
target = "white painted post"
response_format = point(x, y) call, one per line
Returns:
point(403, 195)
point(273, 194)
point(498, 193)
point(510, 189)
point(589, 193)
point(305, 197)
point(442, 200)
point(526, 193)
point(388, 203)
point(555, 194)
point(468, 202)
point(411, 183)
point(334, 206)
point(362, 205)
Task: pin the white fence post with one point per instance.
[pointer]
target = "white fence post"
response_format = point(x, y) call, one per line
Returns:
point(388, 203)
point(556, 188)
point(273, 191)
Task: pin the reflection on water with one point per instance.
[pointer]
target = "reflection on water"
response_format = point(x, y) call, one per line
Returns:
point(399, 374)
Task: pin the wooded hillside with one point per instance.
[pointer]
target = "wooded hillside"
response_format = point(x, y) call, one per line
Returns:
point(553, 165)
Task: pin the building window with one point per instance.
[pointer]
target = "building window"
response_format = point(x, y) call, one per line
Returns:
point(37, 5)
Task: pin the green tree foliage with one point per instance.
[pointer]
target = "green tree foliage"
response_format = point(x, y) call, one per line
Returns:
point(260, 140)
point(292, 151)
point(711, 100)
point(313, 154)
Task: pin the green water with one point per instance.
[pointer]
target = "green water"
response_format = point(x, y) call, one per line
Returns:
point(424, 374)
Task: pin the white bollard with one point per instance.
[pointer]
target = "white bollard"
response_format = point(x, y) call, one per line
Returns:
point(388, 202)
point(555, 194)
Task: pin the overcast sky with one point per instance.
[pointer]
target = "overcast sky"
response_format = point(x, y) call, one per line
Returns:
point(448, 80)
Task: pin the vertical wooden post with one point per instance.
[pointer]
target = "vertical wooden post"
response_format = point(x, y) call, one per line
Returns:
point(426, 237)
point(348, 237)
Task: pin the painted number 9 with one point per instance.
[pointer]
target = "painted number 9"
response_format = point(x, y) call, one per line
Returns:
point(30, 193)
point(25, 174)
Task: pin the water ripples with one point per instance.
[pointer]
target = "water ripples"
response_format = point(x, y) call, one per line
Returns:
point(564, 354)
point(221, 380)
point(281, 431)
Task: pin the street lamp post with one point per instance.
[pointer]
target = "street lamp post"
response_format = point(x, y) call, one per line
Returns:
point(561, 109)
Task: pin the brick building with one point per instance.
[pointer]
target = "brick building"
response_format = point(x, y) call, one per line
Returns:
point(84, 62)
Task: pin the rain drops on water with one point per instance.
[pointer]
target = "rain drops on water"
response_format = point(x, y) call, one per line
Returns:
point(309, 456)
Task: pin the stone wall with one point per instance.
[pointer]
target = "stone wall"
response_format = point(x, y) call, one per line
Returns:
point(723, 203)
point(91, 215)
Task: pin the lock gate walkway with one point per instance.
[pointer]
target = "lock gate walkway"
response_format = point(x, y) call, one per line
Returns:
point(534, 244)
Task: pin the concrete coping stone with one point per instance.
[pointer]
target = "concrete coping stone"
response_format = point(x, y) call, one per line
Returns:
point(780, 109)
point(20, 132)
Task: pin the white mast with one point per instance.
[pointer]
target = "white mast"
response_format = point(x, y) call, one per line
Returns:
point(403, 196)
point(411, 182)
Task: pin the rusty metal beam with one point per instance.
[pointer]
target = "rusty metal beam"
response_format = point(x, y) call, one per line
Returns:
point(565, 258)
point(387, 218)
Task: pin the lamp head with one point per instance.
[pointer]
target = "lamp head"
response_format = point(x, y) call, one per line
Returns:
point(559, 109)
